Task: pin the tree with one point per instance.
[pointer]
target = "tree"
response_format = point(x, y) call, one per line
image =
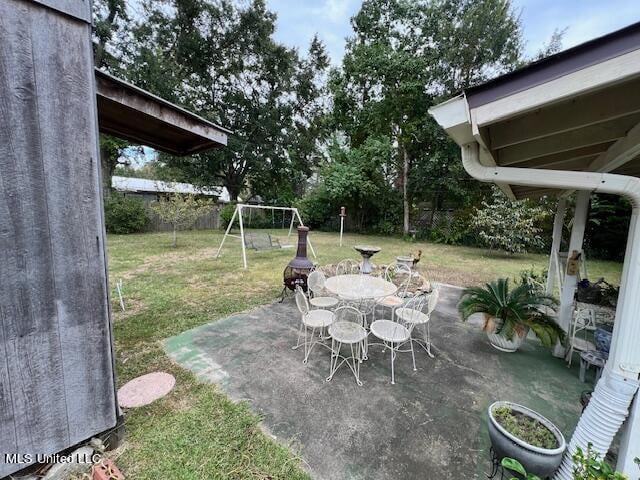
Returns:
point(403, 57)
point(181, 211)
point(221, 61)
point(109, 17)
point(512, 226)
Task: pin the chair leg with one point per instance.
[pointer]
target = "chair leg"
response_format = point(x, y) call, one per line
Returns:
point(428, 339)
point(335, 354)
point(413, 356)
point(393, 358)
point(299, 335)
point(308, 345)
point(356, 364)
point(365, 350)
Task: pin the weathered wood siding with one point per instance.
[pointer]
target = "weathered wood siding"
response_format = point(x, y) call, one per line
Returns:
point(56, 368)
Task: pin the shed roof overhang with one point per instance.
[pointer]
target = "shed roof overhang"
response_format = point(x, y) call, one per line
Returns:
point(578, 110)
point(134, 114)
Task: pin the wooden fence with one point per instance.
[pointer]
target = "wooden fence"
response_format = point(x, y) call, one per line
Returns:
point(206, 222)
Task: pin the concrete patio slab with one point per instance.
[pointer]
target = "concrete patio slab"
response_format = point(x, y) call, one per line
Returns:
point(431, 424)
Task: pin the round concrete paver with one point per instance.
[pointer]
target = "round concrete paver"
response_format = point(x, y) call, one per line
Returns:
point(145, 389)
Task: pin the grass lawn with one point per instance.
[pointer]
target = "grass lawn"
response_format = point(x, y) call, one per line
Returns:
point(196, 432)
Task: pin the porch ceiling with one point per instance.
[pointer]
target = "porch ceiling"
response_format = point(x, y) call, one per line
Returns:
point(578, 110)
point(134, 114)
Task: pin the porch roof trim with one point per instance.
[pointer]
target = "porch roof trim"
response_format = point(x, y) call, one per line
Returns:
point(129, 112)
point(578, 110)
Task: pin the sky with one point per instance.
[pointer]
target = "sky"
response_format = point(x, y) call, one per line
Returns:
point(299, 20)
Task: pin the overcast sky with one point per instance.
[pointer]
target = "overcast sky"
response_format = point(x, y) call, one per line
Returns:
point(298, 20)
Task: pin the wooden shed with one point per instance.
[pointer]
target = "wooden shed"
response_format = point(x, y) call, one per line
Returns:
point(57, 375)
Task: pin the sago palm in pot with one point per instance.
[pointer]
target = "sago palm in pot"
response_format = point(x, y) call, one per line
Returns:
point(509, 314)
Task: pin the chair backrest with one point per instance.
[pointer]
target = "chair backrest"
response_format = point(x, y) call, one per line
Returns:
point(301, 301)
point(417, 302)
point(348, 267)
point(432, 300)
point(315, 282)
point(585, 318)
point(397, 273)
point(347, 313)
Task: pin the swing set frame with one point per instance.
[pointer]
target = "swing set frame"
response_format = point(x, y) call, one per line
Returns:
point(237, 213)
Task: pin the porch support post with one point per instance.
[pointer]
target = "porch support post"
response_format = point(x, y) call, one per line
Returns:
point(553, 272)
point(624, 357)
point(571, 281)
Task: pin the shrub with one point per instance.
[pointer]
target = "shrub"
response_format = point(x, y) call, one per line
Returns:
point(124, 215)
point(226, 214)
point(456, 230)
point(181, 211)
point(511, 226)
point(590, 466)
point(317, 208)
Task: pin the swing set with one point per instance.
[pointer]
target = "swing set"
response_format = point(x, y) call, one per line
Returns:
point(237, 213)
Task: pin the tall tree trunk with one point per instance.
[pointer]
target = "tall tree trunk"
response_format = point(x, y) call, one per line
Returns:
point(175, 236)
point(106, 168)
point(405, 196)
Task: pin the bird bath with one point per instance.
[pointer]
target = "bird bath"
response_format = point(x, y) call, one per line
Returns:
point(367, 251)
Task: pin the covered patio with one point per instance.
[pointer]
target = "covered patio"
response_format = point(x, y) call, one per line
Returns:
point(430, 424)
point(570, 123)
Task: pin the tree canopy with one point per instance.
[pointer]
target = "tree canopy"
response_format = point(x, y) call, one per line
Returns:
point(356, 134)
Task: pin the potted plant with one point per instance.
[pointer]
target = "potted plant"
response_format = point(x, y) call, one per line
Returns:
point(519, 433)
point(510, 314)
point(598, 293)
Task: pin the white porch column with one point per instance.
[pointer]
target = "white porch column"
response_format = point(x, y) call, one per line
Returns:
point(558, 223)
point(624, 357)
point(570, 281)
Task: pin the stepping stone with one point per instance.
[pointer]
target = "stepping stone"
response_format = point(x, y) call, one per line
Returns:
point(145, 389)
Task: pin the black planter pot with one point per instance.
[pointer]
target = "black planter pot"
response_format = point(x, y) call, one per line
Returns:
point(539, 461)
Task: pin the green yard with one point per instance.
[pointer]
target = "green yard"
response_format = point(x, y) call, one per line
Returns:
point(196, 432)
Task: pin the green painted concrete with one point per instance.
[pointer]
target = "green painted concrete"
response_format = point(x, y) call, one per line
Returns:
point(431, 424)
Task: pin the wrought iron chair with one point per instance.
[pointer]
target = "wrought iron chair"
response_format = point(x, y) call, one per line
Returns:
point(348, 266)
point(394, 334)
point(400, 275)
point(347, 329)
point(311, 320)
point(583, 321)
point(413, 313)
point(318, 296)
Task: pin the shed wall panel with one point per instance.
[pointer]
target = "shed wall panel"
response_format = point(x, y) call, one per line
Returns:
point(55, 345)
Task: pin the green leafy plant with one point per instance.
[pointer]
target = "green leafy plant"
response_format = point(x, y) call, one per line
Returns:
point(516, 466)
point(181, 211)
point(590, 465)
point(512, 311)
point(525, 428)
point(536, 281)
point(124, 215)
point(514, 226)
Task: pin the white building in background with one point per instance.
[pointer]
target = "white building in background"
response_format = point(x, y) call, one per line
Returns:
point(144, 187)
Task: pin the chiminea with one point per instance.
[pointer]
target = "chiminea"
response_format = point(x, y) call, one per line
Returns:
point(299, 268)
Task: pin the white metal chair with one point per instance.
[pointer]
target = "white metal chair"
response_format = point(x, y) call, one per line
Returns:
point(318, 297)
point(583, 321)
point(400, 275)
point(394, 334)
point(348, 266)
point(311, 320)
point(347, 329)
point(413, 313)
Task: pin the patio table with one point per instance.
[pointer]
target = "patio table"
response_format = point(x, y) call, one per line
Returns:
point(359, 287)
